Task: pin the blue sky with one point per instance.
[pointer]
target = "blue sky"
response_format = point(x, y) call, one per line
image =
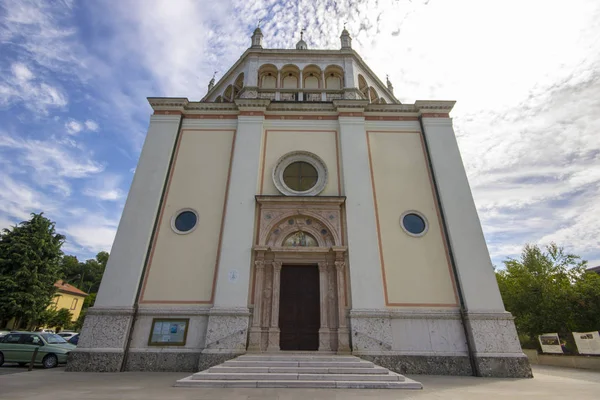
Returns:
point(74, 77)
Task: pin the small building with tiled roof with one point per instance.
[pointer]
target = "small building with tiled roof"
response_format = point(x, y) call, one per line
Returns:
point(69, 297)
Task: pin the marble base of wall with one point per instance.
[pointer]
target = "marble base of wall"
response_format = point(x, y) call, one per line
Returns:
point(434, 342)
point(385, 332)
point(163, 360)
point(504, 367)
point(423, 365)
point(102, 340)
point(94, 360)
point(496, 345)
point(227, 331)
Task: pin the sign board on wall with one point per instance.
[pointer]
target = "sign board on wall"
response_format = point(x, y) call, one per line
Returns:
point(550, 343)
point(168, 332)
point(587, 342)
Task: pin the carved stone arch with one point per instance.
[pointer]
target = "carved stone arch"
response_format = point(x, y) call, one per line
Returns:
point(373, 96)
point(321, 218)
point(277, 241)
point(280, 227)
point(228, 94)
point(363, 86)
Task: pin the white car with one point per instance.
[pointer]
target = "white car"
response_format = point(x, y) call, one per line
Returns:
point(67, 335)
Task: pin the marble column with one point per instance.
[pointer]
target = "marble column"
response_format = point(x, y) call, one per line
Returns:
point(323, 87)
point(278, 85)
point(255, 330)
point(274, 328)
point(343, 333)
point(324, 341)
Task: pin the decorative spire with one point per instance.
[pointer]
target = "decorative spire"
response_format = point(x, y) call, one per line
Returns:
point(346, 39)
point(211, 84)
point(257, 37)
point(301, 45)
point(389, 84)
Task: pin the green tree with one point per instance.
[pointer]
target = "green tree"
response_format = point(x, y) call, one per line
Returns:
point(86, 275)
point(586, 307)
point(550, 291)
point(30, 253)
point(61, 319)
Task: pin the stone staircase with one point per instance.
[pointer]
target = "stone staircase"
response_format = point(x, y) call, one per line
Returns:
point(299, 371)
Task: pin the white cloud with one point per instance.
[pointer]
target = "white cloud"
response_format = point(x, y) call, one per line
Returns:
point(91, 125)
point(92, 232)
point(21, 86)
point(73, 127)
point(105, 187)
point(49, 163)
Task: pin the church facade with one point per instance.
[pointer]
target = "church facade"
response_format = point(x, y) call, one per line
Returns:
point(299, 206)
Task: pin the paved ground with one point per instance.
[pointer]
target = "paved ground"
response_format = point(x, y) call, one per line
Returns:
point(56, 384)
point(8, 368)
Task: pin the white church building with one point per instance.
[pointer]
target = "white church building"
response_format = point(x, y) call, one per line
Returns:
point(300, 208)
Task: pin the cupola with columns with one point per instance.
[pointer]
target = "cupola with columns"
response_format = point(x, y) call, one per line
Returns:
point(312, 75)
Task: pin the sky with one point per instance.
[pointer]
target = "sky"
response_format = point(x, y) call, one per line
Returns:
point(74, 77)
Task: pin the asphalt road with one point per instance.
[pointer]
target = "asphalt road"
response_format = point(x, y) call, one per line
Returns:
point(9, 368)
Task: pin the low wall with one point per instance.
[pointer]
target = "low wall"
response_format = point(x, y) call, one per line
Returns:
point(559, 360)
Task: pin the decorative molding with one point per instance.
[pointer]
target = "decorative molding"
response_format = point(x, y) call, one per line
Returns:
point(389, 118)
point(404, 314)
point(168, 112)
point(351, 114)
point(210, 116)
point(435, 115)
point(300, 156)
point(302, 117)
point(253, 113)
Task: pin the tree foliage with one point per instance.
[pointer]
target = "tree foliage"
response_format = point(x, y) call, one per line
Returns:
point(86, 275)
point(550, 291)
point(30, 254)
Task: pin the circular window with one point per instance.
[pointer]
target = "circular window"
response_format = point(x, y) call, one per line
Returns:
point(413, 223)
point(300, 176)
point(300, 173)
point(184, 221)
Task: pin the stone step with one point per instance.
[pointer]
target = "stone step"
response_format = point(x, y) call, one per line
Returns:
point(406, 384)
point(291, 377)
point(323, 364)
point(297, 357)
point(299, 370)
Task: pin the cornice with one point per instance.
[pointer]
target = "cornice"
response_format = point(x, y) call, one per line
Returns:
point(252, 104)
point(181, 105)
point(435, 106)
point(266, 199)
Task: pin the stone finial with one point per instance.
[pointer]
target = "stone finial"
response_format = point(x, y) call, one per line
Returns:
point(257, 37)
point(389, 84)
point(301, 45)
point(211, 84)
point(346, 39)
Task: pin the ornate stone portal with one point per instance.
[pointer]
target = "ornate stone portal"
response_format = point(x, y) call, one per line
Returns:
point(300, 231)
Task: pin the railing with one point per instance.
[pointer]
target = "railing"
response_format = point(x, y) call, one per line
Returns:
point(313, 97)
point(300, 95)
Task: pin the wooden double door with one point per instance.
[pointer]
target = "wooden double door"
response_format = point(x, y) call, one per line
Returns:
point(299, 308)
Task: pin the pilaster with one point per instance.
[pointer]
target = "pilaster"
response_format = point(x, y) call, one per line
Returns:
point(491, 329)
point(363, 250)
point(274, 330)
point(324, 332)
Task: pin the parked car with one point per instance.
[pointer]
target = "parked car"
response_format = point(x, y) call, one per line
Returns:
point(74, 339)
point(2, 333)
point(67, 335)
point(18, 347)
